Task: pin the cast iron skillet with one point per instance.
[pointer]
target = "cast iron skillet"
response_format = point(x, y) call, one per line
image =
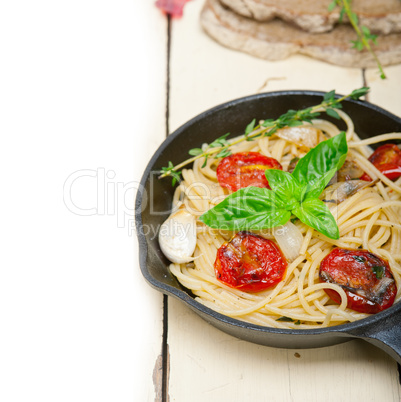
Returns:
point(153, 203)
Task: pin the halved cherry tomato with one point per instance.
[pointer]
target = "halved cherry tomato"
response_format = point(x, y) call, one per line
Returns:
point(250, 263)
point(386, 158)
point(245, 169)
point(365, 277)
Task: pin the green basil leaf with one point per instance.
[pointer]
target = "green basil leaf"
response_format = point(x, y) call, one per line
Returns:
point(327, 155)
point(315, 187)
point(246, 209)
point(283, 184)
point(317, 215)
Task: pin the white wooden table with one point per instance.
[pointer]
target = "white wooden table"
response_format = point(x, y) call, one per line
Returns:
point(83, 99)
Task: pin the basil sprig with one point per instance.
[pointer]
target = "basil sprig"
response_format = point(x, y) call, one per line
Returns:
point(293, 193)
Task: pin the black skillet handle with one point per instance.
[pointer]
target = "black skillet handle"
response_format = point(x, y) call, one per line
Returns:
point(384, 333)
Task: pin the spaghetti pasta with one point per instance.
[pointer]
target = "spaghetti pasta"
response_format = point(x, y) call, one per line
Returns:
point(370, 219)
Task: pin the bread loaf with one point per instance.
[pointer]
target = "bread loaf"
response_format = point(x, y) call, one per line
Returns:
point(382, 16)
point(277, 40)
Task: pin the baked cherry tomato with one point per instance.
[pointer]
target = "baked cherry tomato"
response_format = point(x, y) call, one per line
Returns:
point(365, 277)
point(250, 263)
point(245, 169)
point(386, 158)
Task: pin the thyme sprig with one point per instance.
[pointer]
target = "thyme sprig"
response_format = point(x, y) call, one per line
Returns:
point(220, 147)
point(170, 170)
point(364, 37)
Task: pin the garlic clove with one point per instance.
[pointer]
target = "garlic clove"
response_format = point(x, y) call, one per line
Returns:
point(177, 236)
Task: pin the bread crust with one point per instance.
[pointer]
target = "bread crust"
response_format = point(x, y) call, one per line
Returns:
point(277, 40)
point(382, 16)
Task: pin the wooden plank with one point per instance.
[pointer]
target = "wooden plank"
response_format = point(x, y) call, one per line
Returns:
point(84, 94)
point(386, 93)
point(207, 364)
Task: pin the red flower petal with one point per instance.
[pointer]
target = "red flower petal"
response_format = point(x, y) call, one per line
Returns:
point(172, 7)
